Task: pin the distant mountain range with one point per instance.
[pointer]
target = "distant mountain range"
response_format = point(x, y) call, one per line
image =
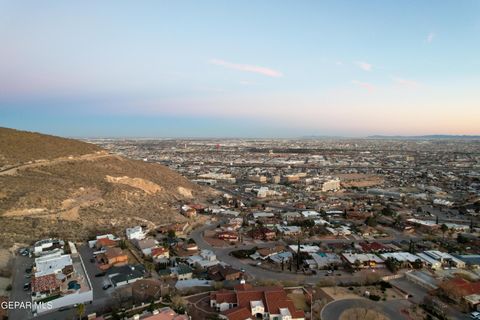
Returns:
point(428, 137)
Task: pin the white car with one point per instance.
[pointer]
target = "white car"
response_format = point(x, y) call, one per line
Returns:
point(475, 315)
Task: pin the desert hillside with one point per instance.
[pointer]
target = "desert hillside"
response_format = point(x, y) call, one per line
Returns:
point(77, 190)
point(21, 146)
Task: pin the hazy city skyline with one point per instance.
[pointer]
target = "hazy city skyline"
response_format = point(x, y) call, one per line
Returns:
point(237, 69)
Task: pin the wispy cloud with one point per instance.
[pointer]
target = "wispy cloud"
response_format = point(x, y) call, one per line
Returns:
point(365, 85)
point(406, 83)
point(247, 68)
point(430, 37)
point(364, 65)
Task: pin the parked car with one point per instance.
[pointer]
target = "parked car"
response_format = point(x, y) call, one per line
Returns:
point(101, 274)
point(106, 286)
point(475, 315)
point(26, 286)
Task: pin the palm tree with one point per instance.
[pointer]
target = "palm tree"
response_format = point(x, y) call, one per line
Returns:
point(80, 310)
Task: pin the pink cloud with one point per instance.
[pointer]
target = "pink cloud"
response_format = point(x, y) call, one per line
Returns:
point(365, 85)
point(247, 68)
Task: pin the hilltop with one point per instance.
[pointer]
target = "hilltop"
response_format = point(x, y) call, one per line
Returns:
point(56, 187)
point(21, 146)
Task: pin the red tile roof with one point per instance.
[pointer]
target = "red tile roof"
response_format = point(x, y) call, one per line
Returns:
point(159, 251)
point(273, 299)
point(105, 242)
point(45, 283)
point(372, 246)
point(464, 286)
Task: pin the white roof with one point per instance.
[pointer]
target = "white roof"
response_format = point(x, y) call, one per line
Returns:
point(400, 256)
point(428, 259)
point(49, 265)
point(304, 248)
point(362, 257)
point(263, 214)
point(310, 213)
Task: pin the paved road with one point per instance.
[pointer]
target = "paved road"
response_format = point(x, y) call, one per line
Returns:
point(223, 254)
point(391, 309)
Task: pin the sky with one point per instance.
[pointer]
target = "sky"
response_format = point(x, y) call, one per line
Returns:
point(240, 68)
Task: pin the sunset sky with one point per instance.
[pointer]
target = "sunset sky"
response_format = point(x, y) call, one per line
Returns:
point(240, 68)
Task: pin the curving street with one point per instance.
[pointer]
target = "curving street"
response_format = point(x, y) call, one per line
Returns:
point(391, 309)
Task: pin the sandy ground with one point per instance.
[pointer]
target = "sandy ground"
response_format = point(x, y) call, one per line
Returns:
point(337, 293)
point(360, 313)
point(5, 256)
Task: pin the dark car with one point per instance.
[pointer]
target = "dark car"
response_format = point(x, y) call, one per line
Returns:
point(106, 286)
point(101, 274)
point(92, 260)
point(26, 286)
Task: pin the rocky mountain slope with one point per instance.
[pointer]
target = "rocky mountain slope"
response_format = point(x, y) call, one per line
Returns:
point(50, 186)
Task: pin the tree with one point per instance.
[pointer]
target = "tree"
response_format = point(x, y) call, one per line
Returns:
point(444, 228)
point(371, 221)
point(80, 310)
point(179, 304)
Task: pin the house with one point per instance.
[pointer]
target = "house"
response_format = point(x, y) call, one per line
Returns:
point(136, 233)
point(472, 260)
point(182, 272)
point(310, 214)
point(112, 257)
point(247, 302)
point(47, 246)
point(281, 257)
point(263, 233)
point(120, 276)
point(92, 243)
point(146, 245)
point(206, 259)
point(54, 264)
point(165, 313)
point(105, 243)
point(446, 259)
point(160, 254)
point(46, 284)
point(363, 260)
point(404, 258)
point(462, 291)
point(221, 273)
point(228, 236)
point(429, 261)
point(149, 290)
point(373, 247)
point(291, 216)
point(265, 253)
point(61, 280)
point(289, 231)
point(323, 260)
